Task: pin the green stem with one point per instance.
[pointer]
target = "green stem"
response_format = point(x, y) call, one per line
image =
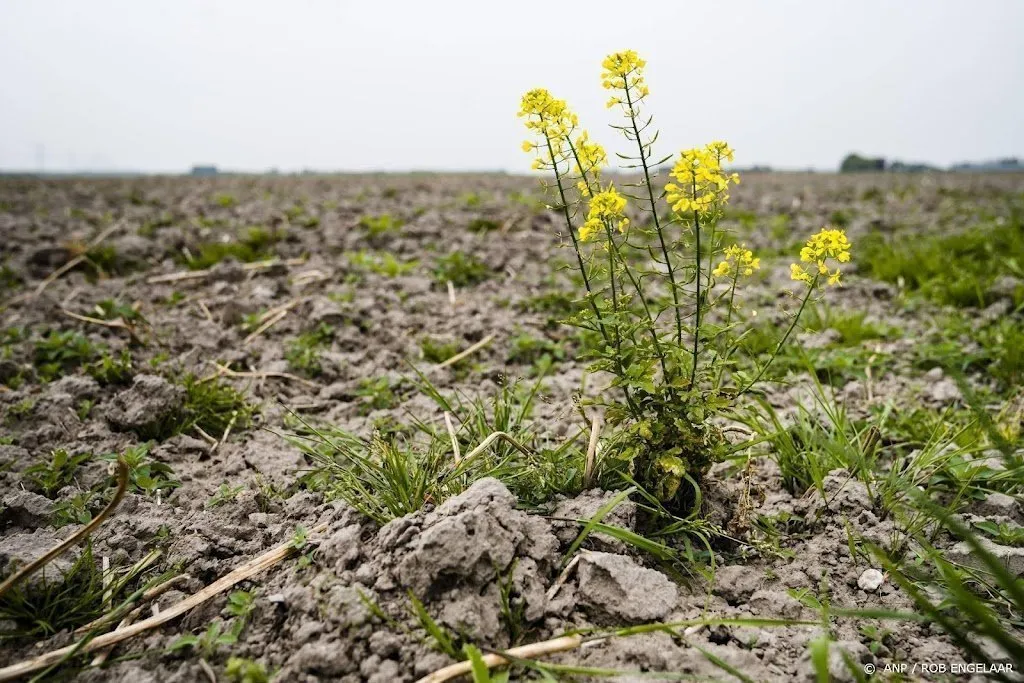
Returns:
point(778, 347)
point(654, 215)
point(696, 326)
point(586, 280)
point(652, 328)
point(732, 296)
point(575, 242)
point(728, 321)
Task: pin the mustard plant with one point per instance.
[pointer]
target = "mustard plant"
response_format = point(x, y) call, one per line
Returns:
point(663, 286)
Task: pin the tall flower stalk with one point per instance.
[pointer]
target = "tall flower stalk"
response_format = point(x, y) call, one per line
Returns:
point(673, 385)
point(623, 71)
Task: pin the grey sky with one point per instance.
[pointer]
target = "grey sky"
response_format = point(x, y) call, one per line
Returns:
point(158, 85)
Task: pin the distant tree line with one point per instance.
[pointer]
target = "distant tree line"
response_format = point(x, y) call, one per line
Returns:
point(855, 163)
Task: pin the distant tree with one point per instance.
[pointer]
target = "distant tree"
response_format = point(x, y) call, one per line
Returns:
point(904, 167)
point(855, 163)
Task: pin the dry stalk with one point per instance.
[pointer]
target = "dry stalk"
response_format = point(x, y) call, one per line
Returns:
point(150, 594)
point(206, 437)
point(227, 431)
point(40, 562)
point(200, 274)
point(223, 371)
point(564, 576)
point(118, 324)
point(491, 439)
point(242, 573)
point(453, 436)
point(78, 260)
point(531, 651)
point(595, 432)
point(463, 354)
point(271, 318)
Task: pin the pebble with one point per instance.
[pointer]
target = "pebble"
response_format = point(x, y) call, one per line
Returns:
point(871, 580)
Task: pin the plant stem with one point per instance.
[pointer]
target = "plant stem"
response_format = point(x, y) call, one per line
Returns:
point(575, 242)
point(613, 247)
point(654, 215)
point(778, 347)
point(696, 325)
point(583, 271)
point(728, 321)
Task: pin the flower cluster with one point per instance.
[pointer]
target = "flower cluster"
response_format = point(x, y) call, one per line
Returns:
point(590, 158)
point(552, 120)
point(624, 71)
point(607, 207)
point(739, 261)
point(829, 243)
point(702, 182)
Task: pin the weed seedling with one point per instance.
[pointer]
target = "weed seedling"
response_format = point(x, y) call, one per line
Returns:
point(112, 370)
point(435, 351)
point(384, 224)
point(239, 670)
point(51, 477)
point(146, 475)
point(377, 394)
point(224, 494)
point(303, 352)
point(461, 269)
point(60, 352)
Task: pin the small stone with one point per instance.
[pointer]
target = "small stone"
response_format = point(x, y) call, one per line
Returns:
point(148, 402)
point(25, 509)
point(1012, 558)
point(617, 586)
point(999, 504)
point(871, 580)
point(736, 583)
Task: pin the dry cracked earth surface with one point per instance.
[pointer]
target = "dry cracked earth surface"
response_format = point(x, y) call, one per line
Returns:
point(314, 297)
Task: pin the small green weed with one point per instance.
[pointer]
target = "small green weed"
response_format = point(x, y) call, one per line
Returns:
point(50, 477)
point(377, 393)
point(384, 224)
point(303, 352)
point(225, 200)
point(239, 670)
point(482, 226)
point(112, 370)
point(60, 352)
point(145, 474)
point(461, 269)
point(224, 494)
point(39, 609)
point(382, 263)
point(435, 351)
point(210, 405)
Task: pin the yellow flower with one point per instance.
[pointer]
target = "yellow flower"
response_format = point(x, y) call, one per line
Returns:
point(828, 243)
point(591, 157)
point(528, 146)
point(741, 258)
point(624, 71)
point(796, 272)
point(702, 183)
point(607, 207)
point(551, 119)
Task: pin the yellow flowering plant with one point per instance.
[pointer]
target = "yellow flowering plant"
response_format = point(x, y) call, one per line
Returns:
point(660, 283)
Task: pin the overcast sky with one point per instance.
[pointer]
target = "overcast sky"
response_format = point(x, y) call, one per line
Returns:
point(159, 85)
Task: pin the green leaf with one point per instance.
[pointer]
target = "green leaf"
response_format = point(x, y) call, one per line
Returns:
point(476, 660)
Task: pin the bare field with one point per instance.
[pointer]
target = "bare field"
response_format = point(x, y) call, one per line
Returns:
point(207, 327)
